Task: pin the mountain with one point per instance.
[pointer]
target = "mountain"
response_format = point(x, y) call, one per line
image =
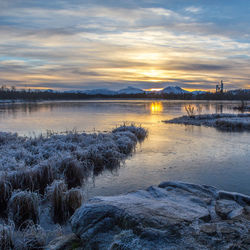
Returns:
point(99, 92)
point(239, 91)
point(73, 91)
point(45, 90)
point(198, 92)
point(174, 90)
point(130, 91)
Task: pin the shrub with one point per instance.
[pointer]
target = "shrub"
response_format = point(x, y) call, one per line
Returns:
point(243, 105)
point(190, 111)
point(23, 207)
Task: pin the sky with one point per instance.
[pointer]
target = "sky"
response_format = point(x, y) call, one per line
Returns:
point(73, 44)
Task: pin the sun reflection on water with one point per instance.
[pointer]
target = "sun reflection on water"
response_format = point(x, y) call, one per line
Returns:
point(156, 107)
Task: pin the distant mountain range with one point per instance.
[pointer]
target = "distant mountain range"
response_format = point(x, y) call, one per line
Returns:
point(132, 91)
point(239, 91)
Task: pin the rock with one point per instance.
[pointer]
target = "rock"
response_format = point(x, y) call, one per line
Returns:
point(228, 209)
point(235, 213)
point(174, 215)
point(247, 209)
point(65, 242)
point(209, 228)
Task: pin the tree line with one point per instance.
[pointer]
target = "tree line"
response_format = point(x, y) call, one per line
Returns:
point(36, 95)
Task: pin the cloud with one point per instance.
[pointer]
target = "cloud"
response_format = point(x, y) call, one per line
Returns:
point(76, 43)
point(193, 9)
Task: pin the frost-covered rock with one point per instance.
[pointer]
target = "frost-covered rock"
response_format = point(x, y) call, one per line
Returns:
point(173, 215)
point(228, 209)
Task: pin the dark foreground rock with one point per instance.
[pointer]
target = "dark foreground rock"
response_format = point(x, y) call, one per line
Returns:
point(173, 215)
point(229, 122)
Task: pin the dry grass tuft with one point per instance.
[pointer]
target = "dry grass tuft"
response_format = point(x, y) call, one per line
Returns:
point(73, 172)
point(138, 131)
point(56, 194)
point(45, 175)
point(32, 238)
point(35, 179)
point(24, 207)
point(63, 202)
point(5, 194)
point(22, 179)
point(73, 199)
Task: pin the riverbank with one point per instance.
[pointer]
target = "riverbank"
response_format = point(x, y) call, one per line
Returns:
point(232, 122)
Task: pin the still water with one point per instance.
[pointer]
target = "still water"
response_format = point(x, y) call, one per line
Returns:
point(171, 152)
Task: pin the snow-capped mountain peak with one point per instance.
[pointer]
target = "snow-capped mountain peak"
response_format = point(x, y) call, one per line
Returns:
point(99, 92)
point(130, 90)
point(174, 90)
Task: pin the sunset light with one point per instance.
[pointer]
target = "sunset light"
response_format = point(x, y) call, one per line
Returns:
point(154, 89)
point(156, 107)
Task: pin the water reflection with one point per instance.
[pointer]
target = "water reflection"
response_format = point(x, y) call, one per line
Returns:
point(153, 106)
point(219, 109)
point(156, 107)
point(99, 115)
point(171, 152)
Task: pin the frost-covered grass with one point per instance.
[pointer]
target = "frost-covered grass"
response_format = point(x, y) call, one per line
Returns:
point(33, 163)
point(24, 207)
point(31, 238)
point(48, 172)
point(63, 202)
point(232, 122)
point(23, 152)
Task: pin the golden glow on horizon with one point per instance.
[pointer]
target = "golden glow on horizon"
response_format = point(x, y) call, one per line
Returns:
point(153, 89)
point(156, 107)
